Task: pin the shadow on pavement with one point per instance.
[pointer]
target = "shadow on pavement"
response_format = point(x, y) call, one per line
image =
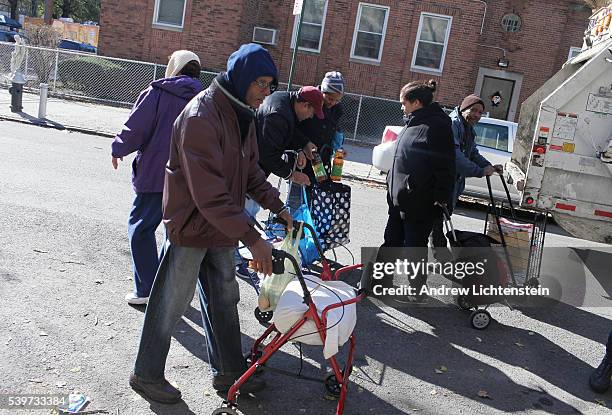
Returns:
point(455, 345)
point(40, 122)
point(283, 393)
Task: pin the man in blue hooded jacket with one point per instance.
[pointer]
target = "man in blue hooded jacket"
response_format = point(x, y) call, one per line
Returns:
point(213, 165)
point(468, 160)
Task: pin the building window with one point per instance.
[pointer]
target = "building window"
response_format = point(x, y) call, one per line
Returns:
point(432, 42)
point(313, 23)
point(169, 13)
point(573, 52)
point(511, 22)
point(370, 29)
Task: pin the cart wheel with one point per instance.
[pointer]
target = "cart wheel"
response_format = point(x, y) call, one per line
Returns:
point(532, 283)
point(249, 361)
point(225, 411)
point(480, 319)
point(264, 317)
point(332, 387)
point(464, 303)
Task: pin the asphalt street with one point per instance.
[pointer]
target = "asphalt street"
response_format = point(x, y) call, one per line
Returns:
point(64, 325)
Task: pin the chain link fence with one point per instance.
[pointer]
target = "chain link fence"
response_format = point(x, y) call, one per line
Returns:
point(114, 81)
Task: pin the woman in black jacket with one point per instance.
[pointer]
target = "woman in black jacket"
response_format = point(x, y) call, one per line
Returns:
point(423, 170)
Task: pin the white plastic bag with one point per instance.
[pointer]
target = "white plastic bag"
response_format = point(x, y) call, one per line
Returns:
point(382, 156)
point(341, 321)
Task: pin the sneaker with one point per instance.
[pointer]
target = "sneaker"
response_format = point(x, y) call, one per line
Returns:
point(242, 271)
point(133, 299)
point(222, 383)
point(161, 391)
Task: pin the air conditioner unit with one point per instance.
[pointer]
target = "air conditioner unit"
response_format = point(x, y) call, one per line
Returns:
point(264, 35)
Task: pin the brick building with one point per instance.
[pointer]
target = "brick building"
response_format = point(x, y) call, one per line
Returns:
point(502, 47)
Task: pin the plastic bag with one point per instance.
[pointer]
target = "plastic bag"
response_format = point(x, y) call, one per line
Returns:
point(308, 248)
point(273, 286)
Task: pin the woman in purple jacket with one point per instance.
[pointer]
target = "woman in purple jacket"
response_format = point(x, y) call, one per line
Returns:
point(147, 131)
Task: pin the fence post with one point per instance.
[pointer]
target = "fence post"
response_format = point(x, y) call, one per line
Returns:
point(25, 72)
point(42, 105)
point(154, 71)
point(55, 75)
point(358, 115)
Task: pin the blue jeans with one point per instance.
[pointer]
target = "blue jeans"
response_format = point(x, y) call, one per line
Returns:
point(145, 217)
point(180, 269)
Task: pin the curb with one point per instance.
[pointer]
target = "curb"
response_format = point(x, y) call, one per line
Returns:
point(41, 123)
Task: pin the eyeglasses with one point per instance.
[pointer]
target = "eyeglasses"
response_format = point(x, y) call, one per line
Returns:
point(262, 85)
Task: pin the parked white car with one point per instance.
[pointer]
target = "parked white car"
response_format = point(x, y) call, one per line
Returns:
point(495, 139)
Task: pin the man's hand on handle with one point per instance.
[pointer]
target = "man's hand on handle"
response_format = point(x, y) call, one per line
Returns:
point(262, 250)
point(262, 257)
point(299, 178)
point(491, 170)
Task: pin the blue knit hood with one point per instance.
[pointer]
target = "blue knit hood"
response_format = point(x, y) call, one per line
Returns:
point(247, 64)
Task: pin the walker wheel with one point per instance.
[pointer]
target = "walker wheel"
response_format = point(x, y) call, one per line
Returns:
point(480, 319)
point(264, 317)
point(332, 387)
point(464, 303)
point(225, 411)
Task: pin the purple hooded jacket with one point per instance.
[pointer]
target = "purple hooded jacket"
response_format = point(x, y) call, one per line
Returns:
point(148, 129)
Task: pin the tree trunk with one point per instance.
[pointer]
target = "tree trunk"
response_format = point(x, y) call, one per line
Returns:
point(66, 8)
point(49, 12)
point(13, 9)
point(34, 8)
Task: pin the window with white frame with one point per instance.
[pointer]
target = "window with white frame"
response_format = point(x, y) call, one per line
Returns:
point(313, 23)
point(370, 30)
point(169, 13)
point(431, 42)
point(573, 52)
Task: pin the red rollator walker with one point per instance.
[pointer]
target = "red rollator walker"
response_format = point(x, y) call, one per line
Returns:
point(272, 339)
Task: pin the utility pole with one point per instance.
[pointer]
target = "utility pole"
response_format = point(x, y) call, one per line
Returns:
point(49, 12)
point(299, 6)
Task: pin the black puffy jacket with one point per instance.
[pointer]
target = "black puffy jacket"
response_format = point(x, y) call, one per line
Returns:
point(276, 123)
point(423, 170)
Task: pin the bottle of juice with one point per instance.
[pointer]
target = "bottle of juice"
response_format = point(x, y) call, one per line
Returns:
point(319, 168)
point(336, 173)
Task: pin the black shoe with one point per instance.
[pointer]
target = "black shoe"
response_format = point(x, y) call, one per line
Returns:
point(600, 378)
point(222, 383)
point(161, 391)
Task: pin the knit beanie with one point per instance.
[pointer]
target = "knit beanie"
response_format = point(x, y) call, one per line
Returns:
point(333, 82)
point(178, 60)
point(470, 101)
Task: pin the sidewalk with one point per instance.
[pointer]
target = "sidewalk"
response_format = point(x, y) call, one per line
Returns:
point(106, 121)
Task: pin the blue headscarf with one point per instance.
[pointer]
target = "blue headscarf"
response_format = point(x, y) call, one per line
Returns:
point(246, 65)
